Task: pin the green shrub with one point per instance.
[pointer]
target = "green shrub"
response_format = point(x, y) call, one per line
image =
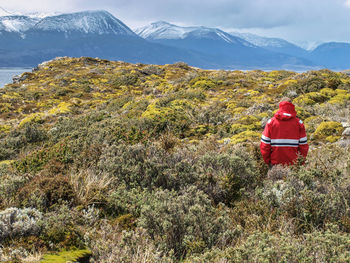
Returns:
point(44, 192)
point(188, 221)
point(314, 194)
point(107, 243)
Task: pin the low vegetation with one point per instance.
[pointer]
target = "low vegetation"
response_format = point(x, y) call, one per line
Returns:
point(144, 163)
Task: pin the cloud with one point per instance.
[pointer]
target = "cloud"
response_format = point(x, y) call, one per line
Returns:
point(347, 3)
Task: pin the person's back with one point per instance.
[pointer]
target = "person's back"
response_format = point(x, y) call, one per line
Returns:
point(284, 136)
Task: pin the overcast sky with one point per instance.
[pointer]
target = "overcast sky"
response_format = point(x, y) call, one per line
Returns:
point(295, 20)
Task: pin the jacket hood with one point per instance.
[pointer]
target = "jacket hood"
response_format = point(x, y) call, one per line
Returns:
point(286, 111)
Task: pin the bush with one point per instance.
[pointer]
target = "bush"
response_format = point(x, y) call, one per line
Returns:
point(188, 222)
point(314, 194)
point(140, 166)
point(16, 222)
point(107, 243)
point(44, 192)
point(327, 129)
point(319, 246)
point(227, 176)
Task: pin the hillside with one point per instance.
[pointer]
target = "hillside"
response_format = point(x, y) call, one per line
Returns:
point(148, 163)
point(229, 51)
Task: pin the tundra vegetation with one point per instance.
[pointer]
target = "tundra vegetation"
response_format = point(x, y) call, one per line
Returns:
point(148, 163)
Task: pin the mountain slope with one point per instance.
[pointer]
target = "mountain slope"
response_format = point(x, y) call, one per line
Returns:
point(90, 33)
point(230, 50)
point(16, 23)
point(88, 22)
point(273, 44)
point(333, 55)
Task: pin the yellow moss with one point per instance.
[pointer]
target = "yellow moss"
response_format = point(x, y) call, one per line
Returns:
point(47, 103)
point(5, 107)
point(11, 96)
point(65, 256)
point(262, 115)
point(341, 98)
point(182, 103)
point(63, 107)
point(248, 120)
point(253, 92)
point(328, 128)
point(310, 98)
point(32, 118)
point(6, 163)
point(341, 91)
point(4, 128)
point(238, 110)
point(245, 136)
point(333, 138)
point(204, 84)
point(328, 92)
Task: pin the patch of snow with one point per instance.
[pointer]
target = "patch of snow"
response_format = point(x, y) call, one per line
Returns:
point(224, 37)
point(16, 23)
point(309, 45)
point(262, 41)
point(163, 30)
point(96, 22)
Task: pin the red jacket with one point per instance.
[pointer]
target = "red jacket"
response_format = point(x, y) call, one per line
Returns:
point(284, 137)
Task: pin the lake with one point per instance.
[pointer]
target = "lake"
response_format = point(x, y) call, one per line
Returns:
point(6, 74)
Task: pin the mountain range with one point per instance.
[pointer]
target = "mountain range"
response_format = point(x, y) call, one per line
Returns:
point(29, 40)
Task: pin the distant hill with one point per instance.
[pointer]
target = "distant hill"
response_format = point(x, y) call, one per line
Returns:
point(273, 44)
point(229, 49)
point(92, 33)
point(332, 55)
point(27, 40)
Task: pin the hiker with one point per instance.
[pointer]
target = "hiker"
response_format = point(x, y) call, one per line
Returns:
point(284, 137)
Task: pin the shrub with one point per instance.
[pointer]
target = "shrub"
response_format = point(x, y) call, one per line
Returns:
point(62, 228)
point(107, 243)
point(314, 194)
point(44, 192)
point(226, 176)
point(188, 221)
point(126, 79)
point(16, 222)
point(328, 128)
point(140, 166)
point(319, 246)
point(9, 187)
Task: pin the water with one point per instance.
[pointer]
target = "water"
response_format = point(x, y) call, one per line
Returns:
point(6, 74)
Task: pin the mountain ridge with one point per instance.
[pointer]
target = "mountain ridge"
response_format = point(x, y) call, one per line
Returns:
point(26, 40)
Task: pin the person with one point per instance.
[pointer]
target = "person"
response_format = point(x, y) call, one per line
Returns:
point(284, 138)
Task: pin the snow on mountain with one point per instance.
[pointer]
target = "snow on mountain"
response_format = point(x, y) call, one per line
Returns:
point(88, 22)
point(165, 31)
point(309, 45)
point(262, 41)
point(17, 23)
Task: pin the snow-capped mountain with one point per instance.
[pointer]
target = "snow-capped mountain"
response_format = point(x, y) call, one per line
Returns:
point(17, 23)
point(88, 22)
point(27, 40)
point(273, 44)
point(261, 41)
point(228, 50)
point(90, 33)
point(165, 31)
